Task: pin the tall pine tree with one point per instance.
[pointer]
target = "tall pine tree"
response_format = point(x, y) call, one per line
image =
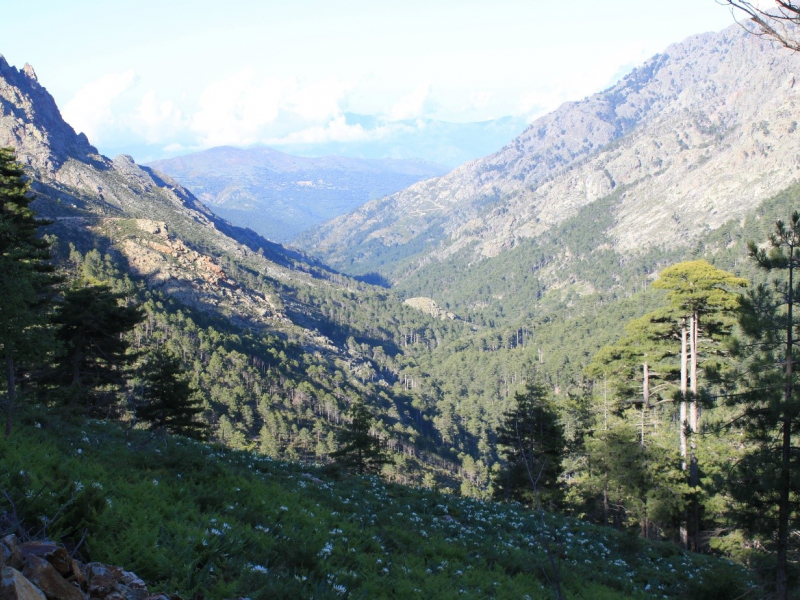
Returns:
point(701, 305)
point(766, 481)
point(90, 324)
point(532, 445)
point(169, 403)
point(358, 448)
point(25, 277)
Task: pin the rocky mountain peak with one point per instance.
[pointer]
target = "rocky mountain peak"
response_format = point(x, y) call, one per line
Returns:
point(28, 70)
point(31, 122)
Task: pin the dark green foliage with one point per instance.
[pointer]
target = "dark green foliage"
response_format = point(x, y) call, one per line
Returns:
point(765, 483)
point(169, 403)
point(91, 323)
point(532, 446)
point(359, 449)
point(25, 277)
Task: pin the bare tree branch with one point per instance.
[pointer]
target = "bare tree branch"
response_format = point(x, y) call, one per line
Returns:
point(779, 23)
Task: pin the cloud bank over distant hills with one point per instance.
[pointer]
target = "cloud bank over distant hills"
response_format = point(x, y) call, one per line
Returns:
point(288, 75)
point(307, 118)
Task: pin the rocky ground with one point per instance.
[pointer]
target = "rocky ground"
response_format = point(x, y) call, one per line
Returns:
point(36, 570)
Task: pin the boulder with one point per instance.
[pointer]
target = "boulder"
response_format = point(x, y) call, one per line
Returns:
point(102, 579)
point(9, 550)
point(53, 553)
point(77, 577)
point(48, 572)
point(44, 576)
point(132, 581)
point(14, 586)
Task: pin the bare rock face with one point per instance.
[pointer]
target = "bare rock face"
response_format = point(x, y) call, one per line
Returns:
point(45, 577)
point(10, 555)
point(31, 122)
point(694, 137)
point(56, 555)
point(427, 305)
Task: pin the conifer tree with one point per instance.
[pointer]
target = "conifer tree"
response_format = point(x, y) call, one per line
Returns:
point(358, 448)
point(628, 460)
point(766, 482)
point(25, 276)
point(90, 323)
point(531, 442)
point(700, 302)
point(170, 404)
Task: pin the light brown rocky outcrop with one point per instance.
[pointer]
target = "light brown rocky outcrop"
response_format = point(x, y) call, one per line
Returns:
point(38, 570)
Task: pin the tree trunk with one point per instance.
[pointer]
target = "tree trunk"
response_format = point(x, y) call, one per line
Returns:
point(11, 383)
point(683, 422)
point(684, 365)
point(645, 395)
point(693, 341)
point(694, 476)
point(786, 446)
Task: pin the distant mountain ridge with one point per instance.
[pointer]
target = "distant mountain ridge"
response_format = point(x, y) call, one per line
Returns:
point(697, 135)
point(279, 195)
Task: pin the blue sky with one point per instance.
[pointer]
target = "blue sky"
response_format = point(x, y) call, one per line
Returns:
point(175, 75)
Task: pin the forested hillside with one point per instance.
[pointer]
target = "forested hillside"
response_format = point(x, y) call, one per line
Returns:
point(634, 384)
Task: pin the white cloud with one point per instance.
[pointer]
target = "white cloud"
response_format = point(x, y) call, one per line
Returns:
point(335, 130)
point(579, 83)
point(243, 109)
point(157, 121)
point(318, 101)
point(480, 99)
point(233, 110)
point(90, 109)
point(411, 106)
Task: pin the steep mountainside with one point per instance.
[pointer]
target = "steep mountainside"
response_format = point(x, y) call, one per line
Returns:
point(164, 232)
point(278, 345)
point(279, 195)
point(697, 135)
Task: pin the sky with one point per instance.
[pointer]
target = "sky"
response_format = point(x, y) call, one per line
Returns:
point(169, 77)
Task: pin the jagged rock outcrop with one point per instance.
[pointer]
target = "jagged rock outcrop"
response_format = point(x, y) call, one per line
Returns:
point(429, 306)
point(694, 137)
point(39, 570)
point(31, 122)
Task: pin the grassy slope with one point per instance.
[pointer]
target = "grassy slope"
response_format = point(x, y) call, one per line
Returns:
point(190, 517)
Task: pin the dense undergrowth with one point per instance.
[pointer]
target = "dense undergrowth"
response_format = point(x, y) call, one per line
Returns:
point(217, 523)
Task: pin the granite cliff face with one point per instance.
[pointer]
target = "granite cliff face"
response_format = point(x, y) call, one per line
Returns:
point(31, 122)
point(697, 135)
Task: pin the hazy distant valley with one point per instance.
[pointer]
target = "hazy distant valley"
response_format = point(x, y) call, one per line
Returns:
point(280, 196)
